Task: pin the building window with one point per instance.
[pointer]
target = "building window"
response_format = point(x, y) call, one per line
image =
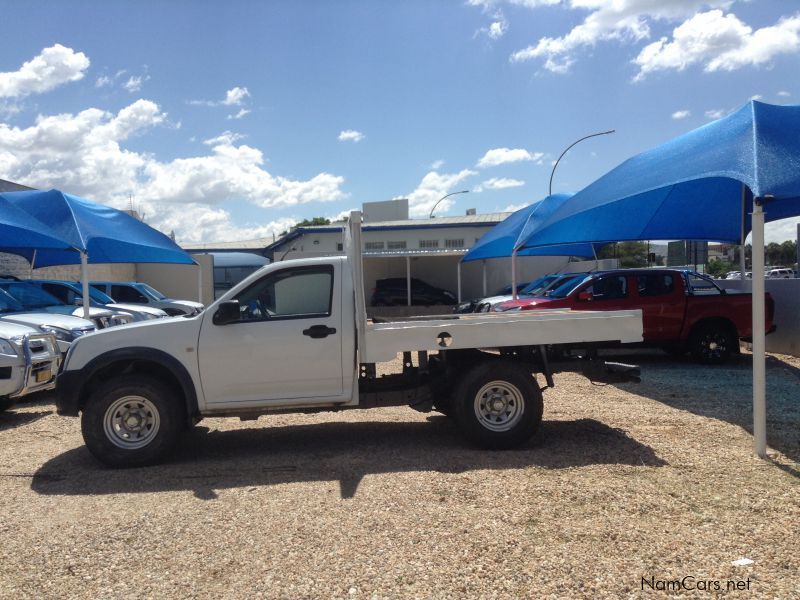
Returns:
point(396, 245)
point(454, 243)
point(429, 243)
point(339, 247)
point(373, 245)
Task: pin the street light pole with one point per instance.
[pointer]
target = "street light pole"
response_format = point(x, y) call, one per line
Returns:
point(550, 188)
point(443, 197)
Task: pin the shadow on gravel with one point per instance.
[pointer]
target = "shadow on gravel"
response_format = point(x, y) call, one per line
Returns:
point(726, 393)
point(344, 452)
point(10, 419)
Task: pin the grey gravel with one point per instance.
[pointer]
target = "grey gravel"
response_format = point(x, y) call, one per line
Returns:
point(655, 480)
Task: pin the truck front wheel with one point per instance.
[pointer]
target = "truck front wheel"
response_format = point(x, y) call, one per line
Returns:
point(498, 405)
point(131, 421)
point(713, 343)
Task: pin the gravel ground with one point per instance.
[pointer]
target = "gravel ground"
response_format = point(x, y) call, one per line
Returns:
point(627, 483)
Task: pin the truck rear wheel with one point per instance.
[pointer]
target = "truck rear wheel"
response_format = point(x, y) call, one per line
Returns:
point(6, 403)
point(498, 405)
point(713, 344)
point(131, 421)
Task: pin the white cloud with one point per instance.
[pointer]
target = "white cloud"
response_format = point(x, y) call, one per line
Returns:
point(514, 207)
point(433, 187)
point(236, 96)
point(52, 67)
point(225, 138)
point(719, 42)
point(233, 97)
point(681, 114)
point(784, 94)
point(103, 81)
point(212, 223)
point(618, 20)
point(497, 29)
point(500, 183)
point(714, 114)
point(242, 113)
point(341, 216)
point(500, 156)
point(350, 135)
point(437, 164)
point(84, 154)
point(134, 83)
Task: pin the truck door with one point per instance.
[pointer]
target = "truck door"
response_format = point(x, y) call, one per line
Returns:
point(662, 307)
point(287, 343)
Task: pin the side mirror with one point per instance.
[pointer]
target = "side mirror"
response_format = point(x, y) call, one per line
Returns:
point(227, 312)
point(585, 296)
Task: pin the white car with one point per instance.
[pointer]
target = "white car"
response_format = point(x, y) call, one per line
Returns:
point(780, 273)
point(136, 292)
point(29, 362)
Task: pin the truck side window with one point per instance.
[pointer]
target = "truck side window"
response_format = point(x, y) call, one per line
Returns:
point(294, 293)
point(655, 284)
point(126, 293)
point(609, 288)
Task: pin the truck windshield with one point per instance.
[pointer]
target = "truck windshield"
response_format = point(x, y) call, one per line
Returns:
point(8, 304)
point(152, 292)
point(565, 286)
point(29, 295)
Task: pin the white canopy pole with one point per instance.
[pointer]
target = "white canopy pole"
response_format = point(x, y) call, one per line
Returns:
point(514, 274)
point(759, 357)
point(33, 262)
point(742, 262)
point(408, 280)
point(85, 284)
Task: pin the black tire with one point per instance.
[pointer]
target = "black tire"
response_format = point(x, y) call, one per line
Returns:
point(516, 409)
point(156, 414)
point(713, 343)
point(6, 403)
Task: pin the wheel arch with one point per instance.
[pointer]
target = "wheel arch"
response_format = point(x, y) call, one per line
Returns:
point(714, 321)
point(75, 387)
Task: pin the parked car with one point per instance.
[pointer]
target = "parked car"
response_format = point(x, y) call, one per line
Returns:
point(29, 362)
point(136, 292)
point(537, 287)
point(71, 292)
point(394, 291)
point(779, 273)
point(66, 328)
point(682, 311)
point(33, 298)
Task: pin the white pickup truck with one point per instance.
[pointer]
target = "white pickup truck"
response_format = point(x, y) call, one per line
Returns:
point(29, 362)
point(294, 337)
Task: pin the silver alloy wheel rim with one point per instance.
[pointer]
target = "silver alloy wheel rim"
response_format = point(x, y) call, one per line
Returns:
point(131, 422)
point(499, 406)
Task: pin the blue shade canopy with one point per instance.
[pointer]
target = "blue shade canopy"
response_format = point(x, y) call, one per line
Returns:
point(20, 232)
point(504, 237)
point(106, 234)
point(691, 187)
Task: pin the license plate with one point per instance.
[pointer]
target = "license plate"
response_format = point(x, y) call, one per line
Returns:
point(42, 376)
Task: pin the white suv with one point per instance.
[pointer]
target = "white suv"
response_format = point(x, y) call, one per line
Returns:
point(779, 274)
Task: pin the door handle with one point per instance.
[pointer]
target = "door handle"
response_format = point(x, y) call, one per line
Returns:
point(319, 331)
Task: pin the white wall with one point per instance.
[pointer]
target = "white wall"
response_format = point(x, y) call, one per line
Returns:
point(181, 281)
point(786, 293)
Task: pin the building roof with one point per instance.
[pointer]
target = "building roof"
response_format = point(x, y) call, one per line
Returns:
point(484, 220)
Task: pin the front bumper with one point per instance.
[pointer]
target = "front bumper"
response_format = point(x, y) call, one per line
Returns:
point(41, 363)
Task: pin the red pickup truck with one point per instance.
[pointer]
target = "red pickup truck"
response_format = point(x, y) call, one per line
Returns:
point(682, 311)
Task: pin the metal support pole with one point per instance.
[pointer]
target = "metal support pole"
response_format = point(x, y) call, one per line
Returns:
point(514, 274)
point(458, 275)
point(759, 342)
point(408, 280)
point(33, 262)
point(483, 267)
point(85, 284)
point(742, 261)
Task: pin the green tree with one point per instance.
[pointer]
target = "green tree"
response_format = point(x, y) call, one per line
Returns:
point(312, 222)
point(719, 267)
point(629, 254)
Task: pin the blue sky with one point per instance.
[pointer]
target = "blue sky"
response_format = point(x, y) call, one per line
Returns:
point(226, 121)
